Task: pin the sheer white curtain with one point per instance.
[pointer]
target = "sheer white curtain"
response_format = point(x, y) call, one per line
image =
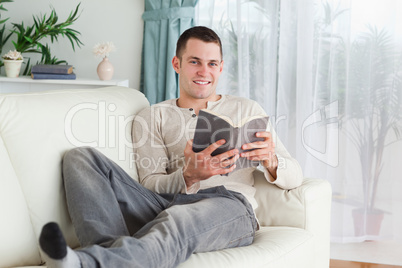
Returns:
point(330, 75)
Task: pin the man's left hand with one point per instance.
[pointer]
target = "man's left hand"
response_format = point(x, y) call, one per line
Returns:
point(263, 151)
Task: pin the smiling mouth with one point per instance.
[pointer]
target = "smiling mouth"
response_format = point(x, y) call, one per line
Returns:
point(202, 82)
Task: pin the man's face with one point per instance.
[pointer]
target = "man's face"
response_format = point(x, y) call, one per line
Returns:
point(199, 69)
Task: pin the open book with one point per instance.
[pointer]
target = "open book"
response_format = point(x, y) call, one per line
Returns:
point(212, 127)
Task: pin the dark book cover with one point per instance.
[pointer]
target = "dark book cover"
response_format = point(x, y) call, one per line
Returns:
point(52, 69)
point(71, 76)
point(212, 127)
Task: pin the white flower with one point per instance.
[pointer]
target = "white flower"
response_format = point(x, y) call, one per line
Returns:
point(103, 49)
point(13, 55)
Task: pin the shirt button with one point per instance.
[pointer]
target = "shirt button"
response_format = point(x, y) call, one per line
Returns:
point(191, 109)
point(194, 115)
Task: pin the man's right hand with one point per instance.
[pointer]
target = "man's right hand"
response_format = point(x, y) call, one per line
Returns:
point(202, 165)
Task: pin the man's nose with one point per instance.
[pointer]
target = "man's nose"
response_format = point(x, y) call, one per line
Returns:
point(202, 70)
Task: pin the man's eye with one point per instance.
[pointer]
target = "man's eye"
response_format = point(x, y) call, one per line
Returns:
point(193, 62)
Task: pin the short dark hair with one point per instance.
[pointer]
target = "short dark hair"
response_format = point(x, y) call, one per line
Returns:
point(198, 32)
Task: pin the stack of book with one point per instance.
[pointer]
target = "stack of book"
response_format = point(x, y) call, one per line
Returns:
point(49, 71)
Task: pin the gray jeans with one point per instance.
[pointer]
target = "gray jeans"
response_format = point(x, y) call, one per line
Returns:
point(120, 223)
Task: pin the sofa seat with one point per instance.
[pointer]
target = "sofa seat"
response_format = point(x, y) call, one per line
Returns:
point(294, 245)
point(272, 247)
point(36, 129)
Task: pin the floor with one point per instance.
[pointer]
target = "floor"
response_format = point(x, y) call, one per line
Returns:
point(387, 253)
point(351, 264)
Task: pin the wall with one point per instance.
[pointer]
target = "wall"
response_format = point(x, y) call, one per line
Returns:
point(117, 21)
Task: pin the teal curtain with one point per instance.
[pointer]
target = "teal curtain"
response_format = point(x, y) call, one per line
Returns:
point(164, 22)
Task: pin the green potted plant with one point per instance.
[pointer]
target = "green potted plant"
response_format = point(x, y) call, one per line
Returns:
point(30, 39)
point(3, 36)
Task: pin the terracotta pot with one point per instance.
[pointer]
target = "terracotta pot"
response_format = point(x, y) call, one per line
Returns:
point(367, 222)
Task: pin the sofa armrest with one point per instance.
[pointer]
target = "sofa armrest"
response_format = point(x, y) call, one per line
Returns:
point(298, 207)
point(307, 206)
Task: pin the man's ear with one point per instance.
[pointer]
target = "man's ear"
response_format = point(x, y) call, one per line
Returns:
point(176, 64)
point(221, 69)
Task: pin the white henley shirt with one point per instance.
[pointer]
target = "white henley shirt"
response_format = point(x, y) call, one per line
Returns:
point(160, 134)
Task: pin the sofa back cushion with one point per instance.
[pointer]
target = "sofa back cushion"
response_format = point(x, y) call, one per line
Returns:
point(17, 238)
point(36, 129)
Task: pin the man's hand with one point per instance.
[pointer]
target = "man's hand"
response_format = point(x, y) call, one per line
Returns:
point(264, 151)
point(202, 165)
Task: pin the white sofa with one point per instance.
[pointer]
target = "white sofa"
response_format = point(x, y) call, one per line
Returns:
point(36, 129)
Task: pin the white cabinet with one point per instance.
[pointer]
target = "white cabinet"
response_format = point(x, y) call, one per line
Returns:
point(27, 84)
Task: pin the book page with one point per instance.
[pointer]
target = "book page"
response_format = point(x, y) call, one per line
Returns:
point(247, 135)
point(250, 128)
point(211, 128)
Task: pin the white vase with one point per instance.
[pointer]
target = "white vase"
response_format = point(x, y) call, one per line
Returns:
point(105, 69)
point(12, 67)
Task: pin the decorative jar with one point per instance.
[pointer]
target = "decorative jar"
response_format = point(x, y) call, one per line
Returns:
point(105, 69)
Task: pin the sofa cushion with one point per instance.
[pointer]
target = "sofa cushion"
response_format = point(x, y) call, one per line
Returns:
point(36, 129)
point(272, 247)
point(17, 237)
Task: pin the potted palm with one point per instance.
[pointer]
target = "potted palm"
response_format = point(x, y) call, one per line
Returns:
point(369, 80)
point(32, 39)
point(375, 120)
point(3, 35)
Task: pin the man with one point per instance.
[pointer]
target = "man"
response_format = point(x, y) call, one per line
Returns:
point(185, 206)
